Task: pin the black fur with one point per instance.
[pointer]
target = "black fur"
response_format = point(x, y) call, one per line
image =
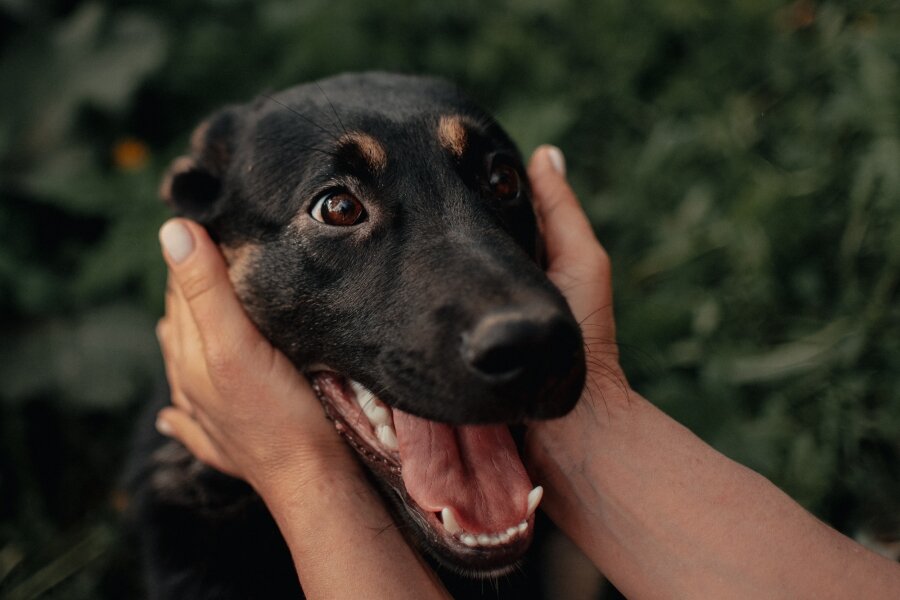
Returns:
point(405, 302)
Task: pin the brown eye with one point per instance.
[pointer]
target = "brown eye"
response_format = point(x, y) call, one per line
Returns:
point(338, 208)
point(504, 182)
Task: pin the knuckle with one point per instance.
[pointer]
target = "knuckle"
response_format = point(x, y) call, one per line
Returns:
point(599, 260)
point(223, 365)
point(162, 331)
point(195, 284)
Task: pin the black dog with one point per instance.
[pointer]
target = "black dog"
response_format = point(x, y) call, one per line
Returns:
point(379, 231)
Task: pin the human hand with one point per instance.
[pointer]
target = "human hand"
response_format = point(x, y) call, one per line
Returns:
point(240, 406)
point(579, 266)
point(558, 450)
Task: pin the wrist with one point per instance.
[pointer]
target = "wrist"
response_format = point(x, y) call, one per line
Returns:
point(573, 456)
point(296, 473)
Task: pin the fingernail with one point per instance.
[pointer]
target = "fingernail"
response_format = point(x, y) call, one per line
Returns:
point(176, 240)
point(557, 159)
point(164, 427)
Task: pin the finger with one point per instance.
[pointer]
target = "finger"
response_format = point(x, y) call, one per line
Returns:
point(567, 231)
point(200, 273)
point(176, 423)
point(165, 334)
point(189, 342)
point(192, 372)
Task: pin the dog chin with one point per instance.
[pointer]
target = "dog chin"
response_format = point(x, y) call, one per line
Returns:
point(478, 546)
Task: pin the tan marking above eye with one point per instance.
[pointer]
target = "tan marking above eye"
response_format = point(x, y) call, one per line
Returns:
point(370, 148)
point(452, 134)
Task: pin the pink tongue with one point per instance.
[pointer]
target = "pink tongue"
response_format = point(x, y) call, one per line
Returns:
point(473, 469)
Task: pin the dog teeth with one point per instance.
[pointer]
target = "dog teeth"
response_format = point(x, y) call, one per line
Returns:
point(534, 498)
point(378, 413)
point(387, 437)
point(474, 540)
point(375, 410)
point(449, 520)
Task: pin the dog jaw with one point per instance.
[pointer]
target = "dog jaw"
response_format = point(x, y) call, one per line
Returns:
point(367, 425)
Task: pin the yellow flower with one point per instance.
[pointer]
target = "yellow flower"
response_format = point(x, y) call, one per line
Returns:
point(130, 154)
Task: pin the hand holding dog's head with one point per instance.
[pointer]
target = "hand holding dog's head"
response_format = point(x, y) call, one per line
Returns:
point(379, 229)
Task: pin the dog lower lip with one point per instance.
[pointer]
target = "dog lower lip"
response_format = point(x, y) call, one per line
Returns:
point(367, 424)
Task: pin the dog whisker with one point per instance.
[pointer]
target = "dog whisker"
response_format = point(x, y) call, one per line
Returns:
point(299, 114)
point(300, 146)
point(331, 104)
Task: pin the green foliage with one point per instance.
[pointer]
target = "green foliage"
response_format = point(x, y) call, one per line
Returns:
point(741, 162)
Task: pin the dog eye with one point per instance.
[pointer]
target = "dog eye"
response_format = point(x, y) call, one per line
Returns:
point(504, 182)
point(338, 208)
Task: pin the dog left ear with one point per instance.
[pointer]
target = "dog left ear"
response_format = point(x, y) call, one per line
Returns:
point(192, 186)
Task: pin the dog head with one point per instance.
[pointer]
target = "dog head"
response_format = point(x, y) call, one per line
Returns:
point(379, 231)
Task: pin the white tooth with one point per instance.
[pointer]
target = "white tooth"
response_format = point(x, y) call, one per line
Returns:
point(505, 537)
point(376, 411)
point(496, 541)
point(483, 539)
point(360, 390)
point(450, 523)
point(512, 531)
point(377, 414)
point(534, 498)
point(387, 437)
point(522, 527)
point(468, 539)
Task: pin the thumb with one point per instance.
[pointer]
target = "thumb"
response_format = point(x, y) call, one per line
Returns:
point(198, 270)
point(567, 231)
point(576, 262)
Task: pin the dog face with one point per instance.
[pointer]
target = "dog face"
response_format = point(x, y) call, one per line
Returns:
point(379, 231)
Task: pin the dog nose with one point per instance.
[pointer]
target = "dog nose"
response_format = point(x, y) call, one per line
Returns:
point(513, 347)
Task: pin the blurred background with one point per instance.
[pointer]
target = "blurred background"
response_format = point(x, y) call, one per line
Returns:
point(740, 160)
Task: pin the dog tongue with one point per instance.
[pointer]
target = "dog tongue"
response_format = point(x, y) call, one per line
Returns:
point(473, 469)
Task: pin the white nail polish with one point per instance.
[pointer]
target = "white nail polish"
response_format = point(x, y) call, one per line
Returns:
point(557, 159)
point(177, 240)
point(164, 427)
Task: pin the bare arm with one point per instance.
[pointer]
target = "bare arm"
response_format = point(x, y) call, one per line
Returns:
point(241, 407)
point(660, 512)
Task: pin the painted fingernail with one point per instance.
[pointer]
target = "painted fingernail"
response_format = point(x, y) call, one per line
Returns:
point(176, 240)
point(164, 427)
point(557, 159)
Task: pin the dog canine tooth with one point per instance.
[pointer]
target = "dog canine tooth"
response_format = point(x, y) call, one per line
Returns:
point(387, 436)
point(375, 410)
point(534, 498)
point(449, 520)
point(377, 415)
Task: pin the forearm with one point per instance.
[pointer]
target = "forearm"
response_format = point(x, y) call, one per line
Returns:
point(329, 526)
point(664, 515)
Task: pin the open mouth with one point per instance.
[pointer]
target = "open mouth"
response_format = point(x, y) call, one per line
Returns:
point(463, 487)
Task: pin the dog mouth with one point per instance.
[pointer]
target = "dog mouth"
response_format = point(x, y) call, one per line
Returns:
point(463, 487)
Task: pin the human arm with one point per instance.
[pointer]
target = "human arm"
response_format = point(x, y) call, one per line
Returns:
point(241, 407)
point(660, 512)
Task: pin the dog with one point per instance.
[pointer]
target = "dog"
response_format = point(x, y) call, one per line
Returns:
point(379, 231)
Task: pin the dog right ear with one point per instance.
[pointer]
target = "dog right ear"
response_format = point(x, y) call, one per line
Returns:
point(192, 186)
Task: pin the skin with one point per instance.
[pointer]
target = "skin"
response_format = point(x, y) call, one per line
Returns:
point(241, 407)
point(661, 513)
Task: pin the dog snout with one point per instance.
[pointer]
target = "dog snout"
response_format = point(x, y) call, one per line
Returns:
point(512, 348)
